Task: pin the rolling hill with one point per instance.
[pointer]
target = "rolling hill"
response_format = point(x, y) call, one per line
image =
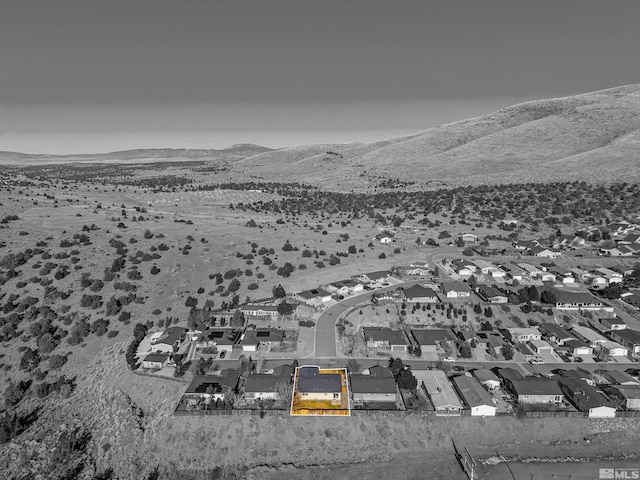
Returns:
point(590, 137)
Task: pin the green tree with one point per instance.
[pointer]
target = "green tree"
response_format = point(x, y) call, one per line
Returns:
point(507, 351)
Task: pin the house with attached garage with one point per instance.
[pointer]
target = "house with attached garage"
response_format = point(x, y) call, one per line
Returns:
point(530, 270)
point(536, 390)
point(421, 271)
point(614, 349)
point(577, 347)
point(611, 275)
point(386, 338)
point(218, 338)
point(429, 338)
point(370, 388)
point(312, 384)
point(440, 391)
point(345, 287)
point(588, 335)
point(454, 289)
point(609, 324)
point(544, 252)
point(374, 277)
point(628, 338)
point(419, 294)
point(209, 388)
point(617, 377)
point(507, 375)
point(552, 332)
point(155, 361)
point(474, 396)
point(170, 340)
point(521, 335)
point(586, 398)
point(491, 294)
point(268, 337)
point(314, 297)
point(625, 397)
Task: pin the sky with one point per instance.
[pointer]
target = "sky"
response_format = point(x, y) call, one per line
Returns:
point(88, 76)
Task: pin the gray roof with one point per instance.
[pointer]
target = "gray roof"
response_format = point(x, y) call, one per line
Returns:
point(583, 395)
point(156, 357)
point(372, 384)
point(484, 375)
point(552, 329)
point(472, 392)
point(383, 334)
point(536, 386)
point(259, 383)
point(311, 380)
point(200, 383)
point(418, 291)
point(426, 336)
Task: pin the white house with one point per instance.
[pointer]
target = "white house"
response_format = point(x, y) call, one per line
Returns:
point(155, 361)
point(440, 391)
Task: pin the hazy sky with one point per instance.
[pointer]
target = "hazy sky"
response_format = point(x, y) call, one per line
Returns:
point(98, 75)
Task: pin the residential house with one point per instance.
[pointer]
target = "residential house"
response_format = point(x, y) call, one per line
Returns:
point(579, 274)
point(345, 287)
point(370, 388)
point(170, 340)
point(611, 275)
point(483, 266)
point(387, 338)
point(454, 289)
point(469, 238)
point(380, 371)
point(628, 338)
point(588, 335)
point(491, 294)
point(155, 361)
point(495, 344)
point(521, 335)
point(577, 347)
point(474, 396)
point(463, 267)
point(269, 337)
point(578, 374)
point(586, 398)
point(260, 386)
point(625, 397)
point(524, 245)
point(612, 323)
point(531, 270)
point(552, 332)
point(544, 252)
point(313, 384)
point(617, 377)
point(429, 338)
point(630, 239)
point(508, 375)
point(614, 349)
point(487, 378)
point(373, 277)
point(572, 300)
point(621, 228)
point(536, 390)
point(414, 270)
point(260, 311)
point(440, 391)
point(209, 388)
point(419, 294)
point(218, 338)
point(619, 251)
point(541, 347)
point(314, 297)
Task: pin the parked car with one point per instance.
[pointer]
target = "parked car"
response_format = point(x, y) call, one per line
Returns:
point(536, 361)
point(448, 359)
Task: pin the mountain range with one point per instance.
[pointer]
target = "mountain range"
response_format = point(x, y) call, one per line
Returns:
point(592, 137)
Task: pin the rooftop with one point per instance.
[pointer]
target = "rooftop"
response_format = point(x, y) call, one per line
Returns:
point(258, 383)
point(439, 388)
point(311, 379)
point(536, 386)
point(372, 384)
point(383, 334)
point(472, 392)
point(418, 291)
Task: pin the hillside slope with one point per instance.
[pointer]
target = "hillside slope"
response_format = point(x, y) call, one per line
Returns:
point(593, 136)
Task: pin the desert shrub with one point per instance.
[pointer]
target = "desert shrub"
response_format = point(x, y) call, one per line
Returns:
point(91, 301)
point(100, 327)
point(134, 275)
point(155, 270)
point(57, 361)
point(252, 286)
point(30, 360)
point(112, 333)
point(124, 316)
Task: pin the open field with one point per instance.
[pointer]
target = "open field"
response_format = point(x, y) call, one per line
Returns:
point(93, 251)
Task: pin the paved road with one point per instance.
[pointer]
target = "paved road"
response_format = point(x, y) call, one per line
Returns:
point(326, 323)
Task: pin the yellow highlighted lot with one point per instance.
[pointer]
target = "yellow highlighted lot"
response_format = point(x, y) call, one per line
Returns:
point(310, 405)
